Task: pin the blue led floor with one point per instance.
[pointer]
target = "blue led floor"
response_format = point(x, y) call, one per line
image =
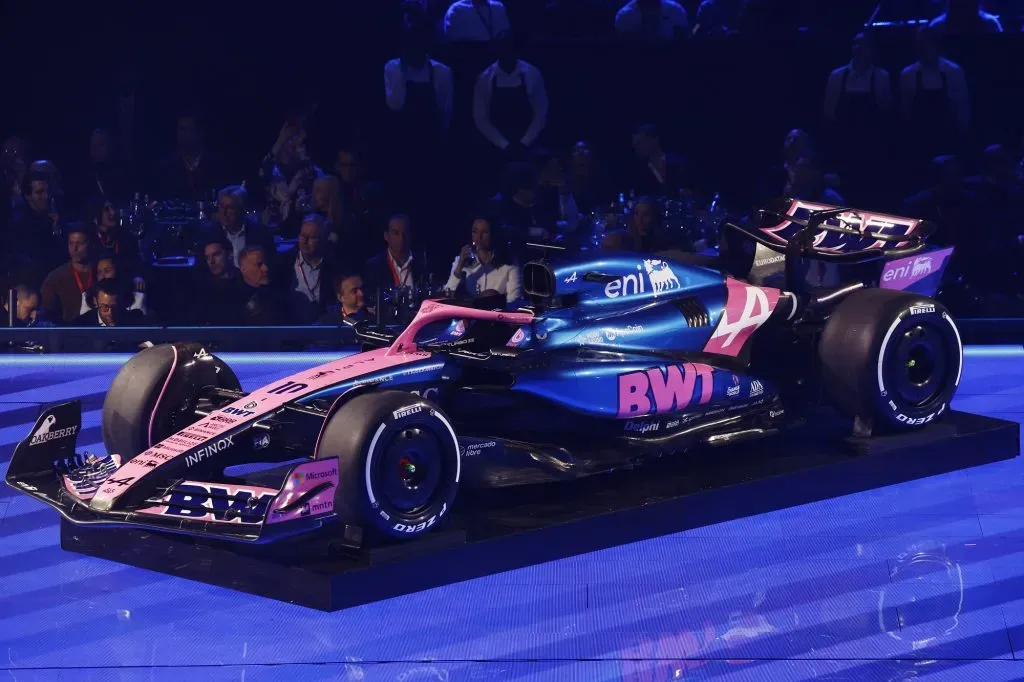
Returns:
point(821, 591)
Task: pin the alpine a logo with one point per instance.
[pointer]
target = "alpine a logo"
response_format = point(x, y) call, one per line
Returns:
point(46, 433)
point(746, 309)
point(209, 451)
point(659, 278)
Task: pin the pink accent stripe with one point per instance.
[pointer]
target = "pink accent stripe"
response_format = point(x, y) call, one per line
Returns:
point(167, 381)
point(212, 427)
point(262, 402)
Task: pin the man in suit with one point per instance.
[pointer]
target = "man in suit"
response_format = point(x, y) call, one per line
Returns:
point(307, 271)
point(111, 308)
point(231, 226)
point(660, 173)
point(395, 267)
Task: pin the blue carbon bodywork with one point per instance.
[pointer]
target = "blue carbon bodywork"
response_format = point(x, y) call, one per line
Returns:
point(639, 308)
point(601, 389)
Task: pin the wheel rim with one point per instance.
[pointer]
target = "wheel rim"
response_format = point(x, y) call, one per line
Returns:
point(920, 365)
point(409, 468)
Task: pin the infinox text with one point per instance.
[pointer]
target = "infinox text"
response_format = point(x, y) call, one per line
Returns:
point(208, 451)
point(655, 391)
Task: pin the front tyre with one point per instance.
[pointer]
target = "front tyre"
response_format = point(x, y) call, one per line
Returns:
point(154, 395)
point(891, 358)
point(398, 463)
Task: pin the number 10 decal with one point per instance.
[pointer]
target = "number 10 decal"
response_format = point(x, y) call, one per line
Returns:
point(288, 387)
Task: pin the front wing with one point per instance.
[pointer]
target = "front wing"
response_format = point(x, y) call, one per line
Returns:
point(45, 466)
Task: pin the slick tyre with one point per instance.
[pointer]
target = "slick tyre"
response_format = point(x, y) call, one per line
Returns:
point(154, 395)
point(891, 358)
point(398, 463)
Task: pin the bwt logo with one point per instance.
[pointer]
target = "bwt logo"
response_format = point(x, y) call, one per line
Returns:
point(655, 392)
point(658, 273)
point(238, 412)
point(209, 451)
point(201, 502)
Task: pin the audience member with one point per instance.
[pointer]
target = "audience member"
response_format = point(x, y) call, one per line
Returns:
point(475, 21)
point(27, 312)
point(308, 270)
point(64, 291)
point(289, 175)
point(719, 18)
point(111, 309)
point(587, 178)
point(218, 285)
point(660, 173)
point(134, 291)
point(807, 181)
point(232, 227)
point(261, 304)
point(652, 20)
point(395, 266)
point(519, 215)
point(947, 202)
point(35, 233)
point(192, 172)
point(483, 266)
point(348, 289)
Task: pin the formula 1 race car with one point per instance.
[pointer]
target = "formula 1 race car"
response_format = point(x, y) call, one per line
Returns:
point(616, 358)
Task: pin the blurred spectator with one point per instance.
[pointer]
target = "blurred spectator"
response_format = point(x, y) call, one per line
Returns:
point(289, 174)
point(936, 105)
point(519, 215)
point(947, 202)
point(27, 312)
point(510, 102)
point(261, 305)
point(807, 181)
point(132, 290)
point(660, 173)
point(640, 234)
point(111, 241)
point(192, 172)
point(328, 203)
point(35, 232)
point(56, 185)
point(308, 270)
point(232, 227)
point(64, 291)
point(102, 175)
point(587, 178)
point(218, 285)
point(475, 21)
point(797, 144)
point(111, 309)
point(348, 289)
point(719, 18)
point(966, 17)
point(553, 191)
point(395, 266)
point(652, 20)
point(483, 266)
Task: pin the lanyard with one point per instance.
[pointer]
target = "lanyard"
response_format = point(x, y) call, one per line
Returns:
point(78, 281)
point(394, 272)
point(302, 271)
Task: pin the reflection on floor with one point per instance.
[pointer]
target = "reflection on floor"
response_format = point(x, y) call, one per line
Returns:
point(925, 579)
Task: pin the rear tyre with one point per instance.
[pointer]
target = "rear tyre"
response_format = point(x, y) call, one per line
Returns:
point(154, 395)
point(891, 359)
point(398, 463)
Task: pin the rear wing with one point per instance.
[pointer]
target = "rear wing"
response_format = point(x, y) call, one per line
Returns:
point(836, 236)
point(45, 466)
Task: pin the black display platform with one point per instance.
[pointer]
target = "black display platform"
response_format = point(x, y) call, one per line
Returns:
point(500, 530)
